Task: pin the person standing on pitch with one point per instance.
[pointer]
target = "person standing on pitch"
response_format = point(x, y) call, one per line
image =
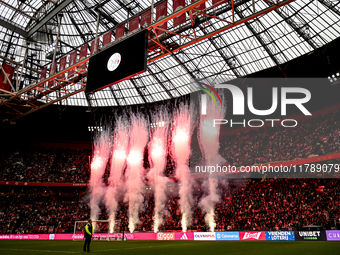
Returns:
point(88, 235)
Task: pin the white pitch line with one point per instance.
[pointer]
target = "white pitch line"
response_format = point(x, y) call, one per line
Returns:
point(26, 250)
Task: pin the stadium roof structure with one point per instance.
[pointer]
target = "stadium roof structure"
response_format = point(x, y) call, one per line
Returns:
point(216, 42)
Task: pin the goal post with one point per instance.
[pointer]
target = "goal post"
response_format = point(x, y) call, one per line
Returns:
point(101, 229)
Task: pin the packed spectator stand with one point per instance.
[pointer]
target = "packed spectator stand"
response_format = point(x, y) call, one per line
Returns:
point(244, 205)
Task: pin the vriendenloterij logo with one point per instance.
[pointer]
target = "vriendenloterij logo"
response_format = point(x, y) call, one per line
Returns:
point(205, 87)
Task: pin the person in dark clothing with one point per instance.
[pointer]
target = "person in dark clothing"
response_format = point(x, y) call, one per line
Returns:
point(88, 232)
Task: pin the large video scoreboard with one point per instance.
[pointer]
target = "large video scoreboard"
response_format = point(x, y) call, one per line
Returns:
point(117, 63)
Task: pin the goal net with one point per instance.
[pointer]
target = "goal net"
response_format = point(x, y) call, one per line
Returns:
point(101, 230)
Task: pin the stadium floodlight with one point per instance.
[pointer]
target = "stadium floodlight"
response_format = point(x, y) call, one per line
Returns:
point(101, 230)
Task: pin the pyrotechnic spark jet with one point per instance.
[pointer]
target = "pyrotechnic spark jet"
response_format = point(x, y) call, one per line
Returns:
point(134, 172)
point(158, 157)
point(180, 153)
point(100, 157)
point(118, 162)
point(208, 137)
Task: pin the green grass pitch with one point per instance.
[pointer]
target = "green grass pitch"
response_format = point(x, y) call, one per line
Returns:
point(28, 247)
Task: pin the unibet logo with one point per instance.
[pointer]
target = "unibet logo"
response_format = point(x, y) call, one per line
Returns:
point(309, 233)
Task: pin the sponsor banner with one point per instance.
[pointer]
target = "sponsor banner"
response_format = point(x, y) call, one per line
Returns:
point(68, 237)
point(333, 235)
point(96, 236)
point(252, 236)
point(113, 236)
point(140, 236)
point(204, 236)
point(25, 237)
point(280, 236)
point(45, 184)
point(227, 236)
point(319, 235)
point(165, 236)
point(186, 236)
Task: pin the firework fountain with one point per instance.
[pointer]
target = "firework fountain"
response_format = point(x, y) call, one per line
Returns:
point(208, 137)
point(158, 157)
point(134, 172)
point(118, 162)
point(181, 152)
point(101, 152)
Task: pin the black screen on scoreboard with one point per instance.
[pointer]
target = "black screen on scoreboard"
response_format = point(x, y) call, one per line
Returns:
point(116, 63)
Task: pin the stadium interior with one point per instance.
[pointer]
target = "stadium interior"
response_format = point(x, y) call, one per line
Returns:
point(49, 125)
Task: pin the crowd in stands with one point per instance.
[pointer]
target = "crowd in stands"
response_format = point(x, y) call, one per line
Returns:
point(317, 136)
point(38, 164)
point(273, 204)
point(34, 210)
